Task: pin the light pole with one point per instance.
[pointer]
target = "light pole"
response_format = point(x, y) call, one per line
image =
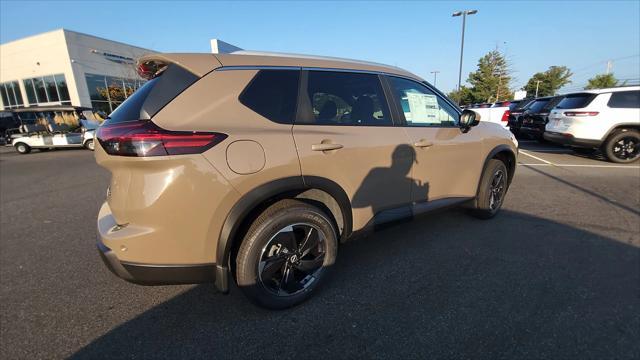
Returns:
point(537, 84)
point(464, 20)
point(435, 76)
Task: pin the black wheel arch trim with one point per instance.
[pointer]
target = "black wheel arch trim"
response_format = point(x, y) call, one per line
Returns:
point(258, 196)
point(511, 168)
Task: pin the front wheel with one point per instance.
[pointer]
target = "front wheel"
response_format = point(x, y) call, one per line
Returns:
point(286, 253)
point(492, 190)
point(23, 148)
point(89, 145)
point(623, 146)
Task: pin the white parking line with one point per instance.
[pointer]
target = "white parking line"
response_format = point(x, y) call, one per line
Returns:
point(537, 158)
point(559, 151)
point(585, 166)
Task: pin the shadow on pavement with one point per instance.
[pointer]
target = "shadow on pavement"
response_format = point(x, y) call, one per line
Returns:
point(445, 286)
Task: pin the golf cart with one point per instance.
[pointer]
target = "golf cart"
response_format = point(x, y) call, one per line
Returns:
point(46, 128)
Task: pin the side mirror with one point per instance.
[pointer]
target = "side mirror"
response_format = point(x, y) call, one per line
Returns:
point(468, 119)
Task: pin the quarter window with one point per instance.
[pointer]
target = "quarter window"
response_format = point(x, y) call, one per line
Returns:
point(625, 99)
point(273, 94)
point(342, 98)
point(421, 106)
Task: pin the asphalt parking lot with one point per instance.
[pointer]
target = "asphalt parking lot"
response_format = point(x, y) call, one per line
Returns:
point(556, 275)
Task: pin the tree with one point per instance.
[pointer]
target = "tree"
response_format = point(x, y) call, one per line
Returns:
point(548, 82)
point(491, 81)
point(601, 81)
point(462, 96)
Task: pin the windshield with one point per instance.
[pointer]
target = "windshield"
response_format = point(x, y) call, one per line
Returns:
point(89, 124)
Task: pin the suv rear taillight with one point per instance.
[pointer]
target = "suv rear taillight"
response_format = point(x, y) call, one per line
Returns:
point(144, 138)
point(581, 113)
point(505, 116)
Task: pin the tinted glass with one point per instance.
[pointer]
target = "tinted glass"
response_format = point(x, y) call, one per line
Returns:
point(50, 84)
point(115, 87)
point(41, 93)
point(5, 96)
point(62, 87)
point(576, 101)
point(538, 105)
point(273, 94)
point(421, 106)
point(625, 99)
point(97, 87)
point(16, 91)
point(341, 98)
point(552, 103)
point(31, 94)
point(131, 109)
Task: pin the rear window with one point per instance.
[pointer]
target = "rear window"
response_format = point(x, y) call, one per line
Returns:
point(153, 95)
point(538, 105)
point(273, 94)
point(522, 105)
point(552, 103)
point(625, 99)
point(513, 105)
point(576, 101)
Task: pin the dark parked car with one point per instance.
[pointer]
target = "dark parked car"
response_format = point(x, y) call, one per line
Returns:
point(514, 121)
point(536, 116)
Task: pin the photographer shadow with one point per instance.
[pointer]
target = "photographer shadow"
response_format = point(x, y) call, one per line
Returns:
point(382, 185)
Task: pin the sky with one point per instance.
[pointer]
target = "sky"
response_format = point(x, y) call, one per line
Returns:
point(418, 36)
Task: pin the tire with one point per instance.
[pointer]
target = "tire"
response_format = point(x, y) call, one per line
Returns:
point(271, 269)
point(23, 148)
point(485, 208)
point(584, 151)
point(89, 145)
point(623, 146)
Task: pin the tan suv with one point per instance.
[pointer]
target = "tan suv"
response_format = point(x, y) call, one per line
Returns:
point(255, 167)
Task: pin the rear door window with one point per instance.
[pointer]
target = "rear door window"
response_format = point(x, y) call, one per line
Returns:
point(576, 101)
point(343, 98)
point(625, 100)
point(273, 94)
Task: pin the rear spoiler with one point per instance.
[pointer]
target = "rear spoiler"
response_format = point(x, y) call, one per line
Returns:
point(150, 66)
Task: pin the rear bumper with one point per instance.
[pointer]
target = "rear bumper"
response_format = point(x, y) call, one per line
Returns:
point(532, 130)
point(148, 274)
point(568, 139)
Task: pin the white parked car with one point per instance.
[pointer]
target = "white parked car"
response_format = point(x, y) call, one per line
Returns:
point(496, 113)
point(53, 136)
point(606, 119)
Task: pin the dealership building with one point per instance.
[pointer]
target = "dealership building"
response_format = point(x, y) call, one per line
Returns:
point(65, 67)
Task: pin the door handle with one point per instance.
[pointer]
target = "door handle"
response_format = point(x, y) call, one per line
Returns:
point(422, 143)
point(325, 147)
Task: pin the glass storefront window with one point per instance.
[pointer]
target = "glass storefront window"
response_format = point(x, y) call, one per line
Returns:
point(97, 87)
point(16, 91)
point(116, 89)
point(4, 95)
point(31, 93)
point(11, 95)
point(108, 92)
point(41, 92)
point(61, 83)
point(52, 92)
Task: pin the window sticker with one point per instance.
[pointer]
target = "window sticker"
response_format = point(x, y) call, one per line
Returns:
point(423, 108)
